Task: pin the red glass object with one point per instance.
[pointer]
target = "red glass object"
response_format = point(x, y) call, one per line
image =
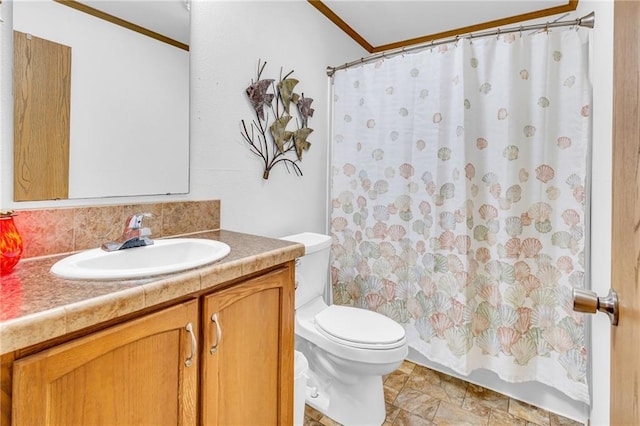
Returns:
point(10, 244)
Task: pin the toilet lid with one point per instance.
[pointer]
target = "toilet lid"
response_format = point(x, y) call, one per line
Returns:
point(359, 328)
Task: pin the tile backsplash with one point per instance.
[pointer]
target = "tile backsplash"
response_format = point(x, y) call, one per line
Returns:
point(63, 230)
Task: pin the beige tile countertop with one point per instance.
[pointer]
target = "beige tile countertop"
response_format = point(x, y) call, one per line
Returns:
point(36, 306)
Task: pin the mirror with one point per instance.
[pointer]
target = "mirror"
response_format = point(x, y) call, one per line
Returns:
point(128, 103)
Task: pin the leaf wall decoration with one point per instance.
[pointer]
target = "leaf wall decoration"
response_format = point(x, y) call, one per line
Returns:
point(274, 143)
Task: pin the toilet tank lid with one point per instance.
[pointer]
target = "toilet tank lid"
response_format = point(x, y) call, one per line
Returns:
point(312, 242)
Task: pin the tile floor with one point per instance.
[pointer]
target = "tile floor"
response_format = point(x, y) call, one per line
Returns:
point(417, 396)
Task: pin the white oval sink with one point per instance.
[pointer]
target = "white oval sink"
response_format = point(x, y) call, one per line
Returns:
point(162, 257)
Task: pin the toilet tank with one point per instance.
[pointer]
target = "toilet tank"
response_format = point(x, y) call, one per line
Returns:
point(312, 269)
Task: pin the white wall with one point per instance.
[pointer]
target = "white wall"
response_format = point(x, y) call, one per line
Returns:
point(6, 103)
point(602, 79)
point(228, 38)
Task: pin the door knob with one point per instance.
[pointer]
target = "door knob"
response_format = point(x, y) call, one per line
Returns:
point(588, 302)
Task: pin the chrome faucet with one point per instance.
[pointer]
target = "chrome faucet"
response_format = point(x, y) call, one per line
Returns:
point(134, 234)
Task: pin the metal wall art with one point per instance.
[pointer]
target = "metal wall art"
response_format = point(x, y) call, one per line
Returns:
point(267, 134)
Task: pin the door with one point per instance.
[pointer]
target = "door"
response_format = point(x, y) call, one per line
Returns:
point(133, 373)
point(41, 131)
point(625, 244)
point(247, 356)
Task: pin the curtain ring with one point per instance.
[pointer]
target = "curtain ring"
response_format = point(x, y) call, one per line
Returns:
point(456, 40)
point(520, 31)
point(498, 34)
point(431, 48)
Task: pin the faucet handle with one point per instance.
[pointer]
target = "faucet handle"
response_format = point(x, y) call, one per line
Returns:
point(135, 221)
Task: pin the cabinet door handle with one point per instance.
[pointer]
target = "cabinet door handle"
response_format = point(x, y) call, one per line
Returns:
point(214, 347)
point(194, 345)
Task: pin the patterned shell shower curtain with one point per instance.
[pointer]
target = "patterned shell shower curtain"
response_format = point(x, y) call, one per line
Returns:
point(458, 201)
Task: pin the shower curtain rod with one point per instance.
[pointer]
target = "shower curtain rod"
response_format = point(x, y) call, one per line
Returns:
point(586, 21)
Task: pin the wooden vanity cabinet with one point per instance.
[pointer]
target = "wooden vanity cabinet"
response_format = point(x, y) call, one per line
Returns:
point(247, 357)
point(147, 370)
point(137, 372)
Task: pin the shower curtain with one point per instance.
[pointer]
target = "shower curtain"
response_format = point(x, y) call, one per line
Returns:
point(458, 185)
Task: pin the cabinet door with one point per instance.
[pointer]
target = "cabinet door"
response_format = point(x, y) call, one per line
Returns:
point(132, 373)
point(248, 352)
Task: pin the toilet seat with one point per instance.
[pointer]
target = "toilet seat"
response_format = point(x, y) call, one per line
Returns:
point(359, 328)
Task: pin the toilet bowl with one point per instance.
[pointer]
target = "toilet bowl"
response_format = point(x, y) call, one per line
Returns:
point(348, 349)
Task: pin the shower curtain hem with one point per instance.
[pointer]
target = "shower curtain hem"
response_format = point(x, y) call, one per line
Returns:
point(577, 393)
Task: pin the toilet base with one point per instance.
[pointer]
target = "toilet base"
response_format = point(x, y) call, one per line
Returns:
point(356, 404)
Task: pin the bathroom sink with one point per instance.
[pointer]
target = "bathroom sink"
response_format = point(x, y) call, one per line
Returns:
point(164, 256)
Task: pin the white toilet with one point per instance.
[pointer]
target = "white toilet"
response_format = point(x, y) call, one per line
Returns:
point(348, 349)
